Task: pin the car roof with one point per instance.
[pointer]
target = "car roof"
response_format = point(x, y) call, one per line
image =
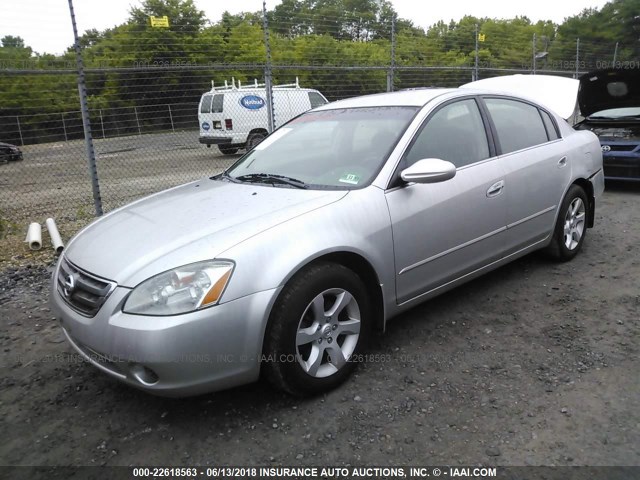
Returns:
point(413, 98)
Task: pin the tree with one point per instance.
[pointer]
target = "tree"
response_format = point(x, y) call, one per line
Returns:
point(10, 41)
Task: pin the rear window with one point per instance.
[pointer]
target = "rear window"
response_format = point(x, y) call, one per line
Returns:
point(316, 99)
point(205, 104)
point(216, 106)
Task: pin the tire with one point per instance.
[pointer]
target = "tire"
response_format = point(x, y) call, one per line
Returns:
point(254, 139)
point(228, 149)
point(319, 325)
point(571, 226)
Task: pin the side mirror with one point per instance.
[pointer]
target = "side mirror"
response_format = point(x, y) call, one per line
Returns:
point(429, 170)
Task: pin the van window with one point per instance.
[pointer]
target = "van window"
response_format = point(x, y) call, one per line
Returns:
point(205, 104)
point(316, 99)
point(216, 107)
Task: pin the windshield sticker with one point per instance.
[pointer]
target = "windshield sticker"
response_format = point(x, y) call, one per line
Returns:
point(278, 134)
point(350, 178)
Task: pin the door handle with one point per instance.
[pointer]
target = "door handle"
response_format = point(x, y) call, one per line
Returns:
point(562, 162)
point(495, 189)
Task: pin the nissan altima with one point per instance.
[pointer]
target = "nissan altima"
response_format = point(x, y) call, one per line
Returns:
point(284, 264)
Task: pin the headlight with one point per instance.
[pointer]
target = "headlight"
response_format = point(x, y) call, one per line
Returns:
point(182, 290)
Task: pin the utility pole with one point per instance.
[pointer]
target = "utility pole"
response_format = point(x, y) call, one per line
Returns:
point(534, 53)
point(577, 56)
point(615, 55)
point(86, 122)
point(475, 67)
point(268, 84)
point(391, 72)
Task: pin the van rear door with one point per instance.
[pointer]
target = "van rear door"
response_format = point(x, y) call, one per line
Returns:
point(210, 114)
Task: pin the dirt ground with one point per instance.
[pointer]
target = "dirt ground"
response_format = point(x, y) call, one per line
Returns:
point(534, 364)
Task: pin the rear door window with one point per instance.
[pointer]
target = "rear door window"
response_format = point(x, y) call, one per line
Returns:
point(519, 125)
point(218, 101)
point(205, 104)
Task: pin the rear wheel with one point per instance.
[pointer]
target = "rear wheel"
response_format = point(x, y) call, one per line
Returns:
point(317, 329)
point(254, 139)
point(228, 149)
point(571, 226)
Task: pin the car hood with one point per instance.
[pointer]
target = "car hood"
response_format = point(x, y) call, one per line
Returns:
point(556, 93)
point(605, 89)
point(186, 224)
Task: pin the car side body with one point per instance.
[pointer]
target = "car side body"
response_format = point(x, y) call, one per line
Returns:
point(405, 236)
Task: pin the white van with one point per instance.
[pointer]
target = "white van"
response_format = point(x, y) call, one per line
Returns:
point(234, 117)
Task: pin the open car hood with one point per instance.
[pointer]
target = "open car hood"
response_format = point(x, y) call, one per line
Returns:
point(559, 94)
point(605, 89)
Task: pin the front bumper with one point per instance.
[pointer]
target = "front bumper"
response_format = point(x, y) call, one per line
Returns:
point(621, 166)
point(204, 351)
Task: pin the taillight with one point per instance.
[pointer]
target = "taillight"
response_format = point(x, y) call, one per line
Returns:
point(228, 124)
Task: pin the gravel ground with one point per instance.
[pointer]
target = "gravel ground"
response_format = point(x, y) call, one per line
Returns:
point(534, 364)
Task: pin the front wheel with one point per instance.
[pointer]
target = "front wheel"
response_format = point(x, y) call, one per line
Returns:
point(571, 226)
point(317, 330)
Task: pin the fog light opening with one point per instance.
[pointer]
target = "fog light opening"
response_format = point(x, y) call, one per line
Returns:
point(143, 374)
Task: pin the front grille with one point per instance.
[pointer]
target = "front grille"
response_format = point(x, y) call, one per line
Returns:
point(622, 148)
point(85, 293)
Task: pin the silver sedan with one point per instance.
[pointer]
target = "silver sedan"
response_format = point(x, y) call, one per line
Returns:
point(285, 264)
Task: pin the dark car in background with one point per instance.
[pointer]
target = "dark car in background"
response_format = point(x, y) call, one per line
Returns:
point(610, 102)
point(9, 153)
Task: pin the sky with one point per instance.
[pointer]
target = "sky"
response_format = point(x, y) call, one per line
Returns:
point(45, 25)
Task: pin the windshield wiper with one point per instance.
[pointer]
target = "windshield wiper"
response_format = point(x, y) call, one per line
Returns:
point(271, 178)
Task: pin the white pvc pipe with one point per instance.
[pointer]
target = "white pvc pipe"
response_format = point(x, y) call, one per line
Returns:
point(56, 241)
point(34, 236)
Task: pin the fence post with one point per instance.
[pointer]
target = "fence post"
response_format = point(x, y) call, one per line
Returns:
point(171, 118)
point(615, 55)
point(86, 121)
point(64, 128)
point(476, 61)
point(20, 131)
point(577, 56)
point(534, 54)
point(102, 123)
point(135, 109)
point(267, 71)
point(392, 71)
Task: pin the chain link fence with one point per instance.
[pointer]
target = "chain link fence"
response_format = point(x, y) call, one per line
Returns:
point(171, 105)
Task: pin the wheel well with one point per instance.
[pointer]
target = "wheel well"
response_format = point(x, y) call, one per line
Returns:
point(361, 267)
point(258, 130)
point(588, 188)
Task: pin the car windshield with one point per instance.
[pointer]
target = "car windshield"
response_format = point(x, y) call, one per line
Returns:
point(617, 113)
point(340, 148)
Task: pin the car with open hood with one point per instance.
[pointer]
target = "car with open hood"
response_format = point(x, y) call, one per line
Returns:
point(610, 104)
point(284, 264)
